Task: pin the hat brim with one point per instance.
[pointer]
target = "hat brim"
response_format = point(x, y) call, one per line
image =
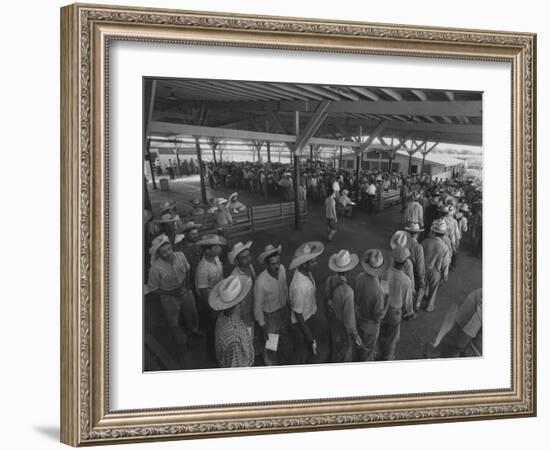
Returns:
point(195, 226)
point(352, 265)
point(375, 271)
point(411, 230)
point(215, 301)
point(232, 255)
point(297, 261)
point(267, 254)
point(174, 219)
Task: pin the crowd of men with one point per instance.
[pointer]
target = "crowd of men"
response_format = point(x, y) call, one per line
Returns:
point(274, 317)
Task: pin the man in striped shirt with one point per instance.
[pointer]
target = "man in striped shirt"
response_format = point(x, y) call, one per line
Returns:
point(330, 213)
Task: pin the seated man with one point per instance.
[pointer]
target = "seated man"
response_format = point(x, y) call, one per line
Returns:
point(345, 203)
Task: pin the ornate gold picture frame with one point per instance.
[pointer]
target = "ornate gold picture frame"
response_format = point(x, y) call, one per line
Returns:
point(87, 31)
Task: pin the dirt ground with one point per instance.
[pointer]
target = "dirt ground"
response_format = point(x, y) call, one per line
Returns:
point(356, 235)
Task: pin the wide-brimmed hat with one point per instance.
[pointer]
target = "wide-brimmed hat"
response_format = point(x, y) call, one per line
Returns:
point(413, 227)
point(400, 254)
point(179, 237)
point(345, 191)
point(229, 292)
point(464, 208)
point(190, 226)
point(212, 239)
point(232, 196)
point(399, 239)
point(444, 209)
point(157, 243)
point(166, 206)
point(439, 226)
point(343, 261)
point(147, 215)
point(306, 252)
point(268, 251)
point(219, 201)
point(195, 202)
point(166, 218)
point(238, 248)
point(373, 262)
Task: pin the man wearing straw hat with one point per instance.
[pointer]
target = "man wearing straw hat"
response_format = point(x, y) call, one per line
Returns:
point(240, 257)
point(303, 303)
point(167, 226)
point(400, 239)
point(209, 272)
point(413, 230)
point(271, 305)
point(345, 203)
point(437, 258)
point(447, 214)
point(330, 214)
point(233, 342)
point(461, 331)
point(169, 278)
point(414, 211)
point(370, 301)
point(189, 246)
point(198, 210)
point(341, 307)
point(235, 206)
point(399, 296)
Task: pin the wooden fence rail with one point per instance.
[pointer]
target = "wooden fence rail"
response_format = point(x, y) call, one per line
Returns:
point(255, 219)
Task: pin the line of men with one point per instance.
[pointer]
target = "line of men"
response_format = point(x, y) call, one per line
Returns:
point(245, 314)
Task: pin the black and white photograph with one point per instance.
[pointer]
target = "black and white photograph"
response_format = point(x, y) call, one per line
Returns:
point(291, 223)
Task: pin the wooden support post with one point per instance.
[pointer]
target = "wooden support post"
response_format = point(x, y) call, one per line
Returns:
point(310, 155)
point(201, 169)
point(357, 170)
point(151, 167)
point(177, 159)
point(268, 143)
point(297, 215)
point(340, 160)
point(146, 197)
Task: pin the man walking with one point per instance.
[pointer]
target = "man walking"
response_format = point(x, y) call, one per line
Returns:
point(399, 295)
point(271, 306)
point(341, 307)
point(437, 258)
point(330, 214)
point(303, 303)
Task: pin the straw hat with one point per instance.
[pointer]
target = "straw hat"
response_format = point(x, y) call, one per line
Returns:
point(268, 251)
point(444, 209)
point(179, 238)
point(345, 191)
point(147, 215)
point(167, 206)
point(238, 248)
point(464, 208)
point(157, 243)
point(191, 226)
point(306, 252)
point(439, 226)
point(220, 201)
point(195, 202)
point(373, 262)
point(166, 218)
point(413, 227)
point(343, 261)
point(232, 196)
point(212, 239)
point(229, 292)
point(399, 239)
point(400, 254)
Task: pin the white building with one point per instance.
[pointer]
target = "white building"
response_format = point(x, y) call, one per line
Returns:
point(435, 164)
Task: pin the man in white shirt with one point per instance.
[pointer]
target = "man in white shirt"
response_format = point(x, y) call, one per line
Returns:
point(303, 303)
point(371, 195)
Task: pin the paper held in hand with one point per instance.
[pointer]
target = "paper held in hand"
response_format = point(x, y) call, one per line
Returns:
point(272, 342)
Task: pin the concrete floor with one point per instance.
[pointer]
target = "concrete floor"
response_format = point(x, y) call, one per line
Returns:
point(356, 235)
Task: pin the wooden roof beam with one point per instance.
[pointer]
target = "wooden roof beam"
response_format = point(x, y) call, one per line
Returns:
point(392, 93)
point(420, 94)
point(365, 92)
